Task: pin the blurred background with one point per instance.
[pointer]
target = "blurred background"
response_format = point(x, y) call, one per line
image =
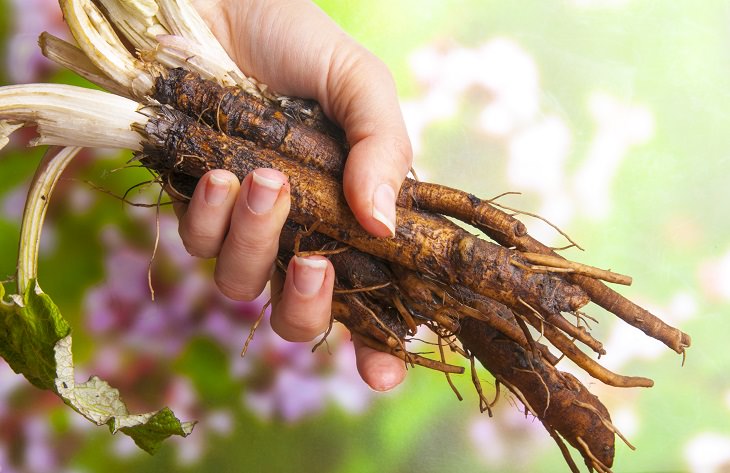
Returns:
point(611, 119)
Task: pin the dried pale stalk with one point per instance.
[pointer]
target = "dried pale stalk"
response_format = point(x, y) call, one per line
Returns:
point(74, 59)
point(34, 213)
point(96, 37)
point(184, 21)
point(73, 116)
point(7, 127)
point(136, 20)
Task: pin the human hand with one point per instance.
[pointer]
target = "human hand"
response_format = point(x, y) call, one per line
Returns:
point(294, 48)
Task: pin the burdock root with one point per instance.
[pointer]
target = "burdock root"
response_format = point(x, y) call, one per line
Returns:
point(506, 300)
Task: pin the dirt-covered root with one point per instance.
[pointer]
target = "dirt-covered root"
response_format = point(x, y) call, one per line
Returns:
point(296, 129)
point(486, 329)
point(468, 303)
point(477, 296)
point(299, 130)
point(487, 291)
point(424, 294)
point(510, 232)
point(440, 251)
point(364, 287)
point(347, 312)
point(424, 242)
point(425, 300)
point(547, 393)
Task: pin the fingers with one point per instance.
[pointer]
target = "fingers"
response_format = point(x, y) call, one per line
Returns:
point(238, 224)
point(303, 307)
point(219, 220)
point(302, 310)
point(242, 230)
point(273, 41)
point(248, 251)
point(205, 220)
point(381, 371)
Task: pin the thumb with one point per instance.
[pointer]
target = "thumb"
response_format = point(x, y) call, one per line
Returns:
point(361, 96)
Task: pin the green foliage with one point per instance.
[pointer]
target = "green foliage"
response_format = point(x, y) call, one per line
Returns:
point(149, 435)
point(29, 331)
point(35, 340)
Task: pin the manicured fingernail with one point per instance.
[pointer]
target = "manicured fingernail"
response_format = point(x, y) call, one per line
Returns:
point(384, 207)
point(263, 193)
point(216, 190)
point(309, 275)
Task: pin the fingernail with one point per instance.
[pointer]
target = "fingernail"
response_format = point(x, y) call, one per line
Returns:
point(384, 207)
point(263, 193)
point(309, 275)
point(216, 190)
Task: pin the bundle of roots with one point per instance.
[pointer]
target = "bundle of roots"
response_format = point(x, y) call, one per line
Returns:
point(500, 299)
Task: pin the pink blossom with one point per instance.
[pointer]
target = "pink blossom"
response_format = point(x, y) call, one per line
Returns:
point(25, 63)
point(302, 384)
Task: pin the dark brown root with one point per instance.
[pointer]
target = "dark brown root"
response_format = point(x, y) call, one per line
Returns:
point(240, 114)
point(525, 368)
point(550, 263)
point(442, 246)
point(529, 376)
point(253, 119)
point(433, 273)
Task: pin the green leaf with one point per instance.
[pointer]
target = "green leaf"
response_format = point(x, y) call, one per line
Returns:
point(100, 403)
point(162, 424)
point(30, 327)
point(36, 342)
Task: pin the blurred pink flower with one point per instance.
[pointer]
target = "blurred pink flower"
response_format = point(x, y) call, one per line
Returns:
point(13, 202)
point(40, 456)
point(500, 67)
point(299, 384)
point(30, 18)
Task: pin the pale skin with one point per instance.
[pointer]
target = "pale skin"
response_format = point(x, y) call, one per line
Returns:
point(296, 49)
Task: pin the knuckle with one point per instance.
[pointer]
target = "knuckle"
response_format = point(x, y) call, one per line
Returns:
point(243, 266)
point(234, 289)
point(199, 244)
point(251, 243)
point(298, 333)
point(360, 60)
point(296, 327)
